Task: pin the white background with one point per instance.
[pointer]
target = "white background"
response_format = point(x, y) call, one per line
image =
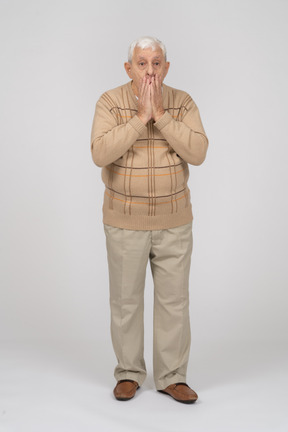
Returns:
point(57, 58)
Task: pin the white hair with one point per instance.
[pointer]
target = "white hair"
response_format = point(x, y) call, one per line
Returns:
point(146, 42)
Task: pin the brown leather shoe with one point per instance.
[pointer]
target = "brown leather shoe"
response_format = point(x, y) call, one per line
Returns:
point(181, 392)
point(125, 389)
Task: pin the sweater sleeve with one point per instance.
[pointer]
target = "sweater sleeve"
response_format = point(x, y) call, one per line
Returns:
point(109, 140)
point(186, 137)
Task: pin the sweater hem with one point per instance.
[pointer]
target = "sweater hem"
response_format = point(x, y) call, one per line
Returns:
point(144, 222)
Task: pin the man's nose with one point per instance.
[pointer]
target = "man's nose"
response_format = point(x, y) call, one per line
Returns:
point(150, 70)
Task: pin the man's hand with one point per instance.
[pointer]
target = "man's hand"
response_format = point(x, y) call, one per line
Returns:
point(156, 98)
point(144, 101)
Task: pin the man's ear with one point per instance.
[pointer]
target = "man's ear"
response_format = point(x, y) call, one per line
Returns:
point(127, 67)
point(167, 65)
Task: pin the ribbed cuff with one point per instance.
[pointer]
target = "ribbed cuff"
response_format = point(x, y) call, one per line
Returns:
point(137, 124)
point(163, 121)
point(144, 222)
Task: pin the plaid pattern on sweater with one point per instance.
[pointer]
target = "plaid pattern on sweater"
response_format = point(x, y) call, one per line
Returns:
point(145, 167)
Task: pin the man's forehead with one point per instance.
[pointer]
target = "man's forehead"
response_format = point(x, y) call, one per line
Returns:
point(142, 54)
point(141, 57)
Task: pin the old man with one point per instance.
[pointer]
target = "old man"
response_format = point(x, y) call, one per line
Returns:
point(144, 135)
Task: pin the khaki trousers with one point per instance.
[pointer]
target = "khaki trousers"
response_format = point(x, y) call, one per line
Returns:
point(169, 252)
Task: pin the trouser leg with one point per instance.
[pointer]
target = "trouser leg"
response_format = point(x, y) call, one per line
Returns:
point(170, 259)
point(127, 253)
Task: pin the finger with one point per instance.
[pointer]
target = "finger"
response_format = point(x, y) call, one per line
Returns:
point(141, 87)
point(157, 83)
point(154, 84)
point(145, 96)
point(143, 91)
point(149, 94)
point(157, 90)
point(145, 85)
point(152, 87)
point(149, 84)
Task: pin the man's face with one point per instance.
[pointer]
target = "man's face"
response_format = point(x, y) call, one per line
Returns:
point(146, 62)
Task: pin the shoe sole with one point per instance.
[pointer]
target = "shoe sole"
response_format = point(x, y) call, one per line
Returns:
point(178, 400)
point(124, 399)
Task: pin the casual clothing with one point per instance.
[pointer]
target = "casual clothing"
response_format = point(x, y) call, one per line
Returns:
point(145, 167)
point(147, 215)
point(169, 252)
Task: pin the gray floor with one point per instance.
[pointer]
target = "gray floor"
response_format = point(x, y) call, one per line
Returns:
point(68, 387)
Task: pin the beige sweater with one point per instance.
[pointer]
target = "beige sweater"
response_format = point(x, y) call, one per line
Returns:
point(145, 167)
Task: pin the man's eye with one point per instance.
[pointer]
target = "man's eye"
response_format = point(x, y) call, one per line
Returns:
point(156, 64)
point(141, 64)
